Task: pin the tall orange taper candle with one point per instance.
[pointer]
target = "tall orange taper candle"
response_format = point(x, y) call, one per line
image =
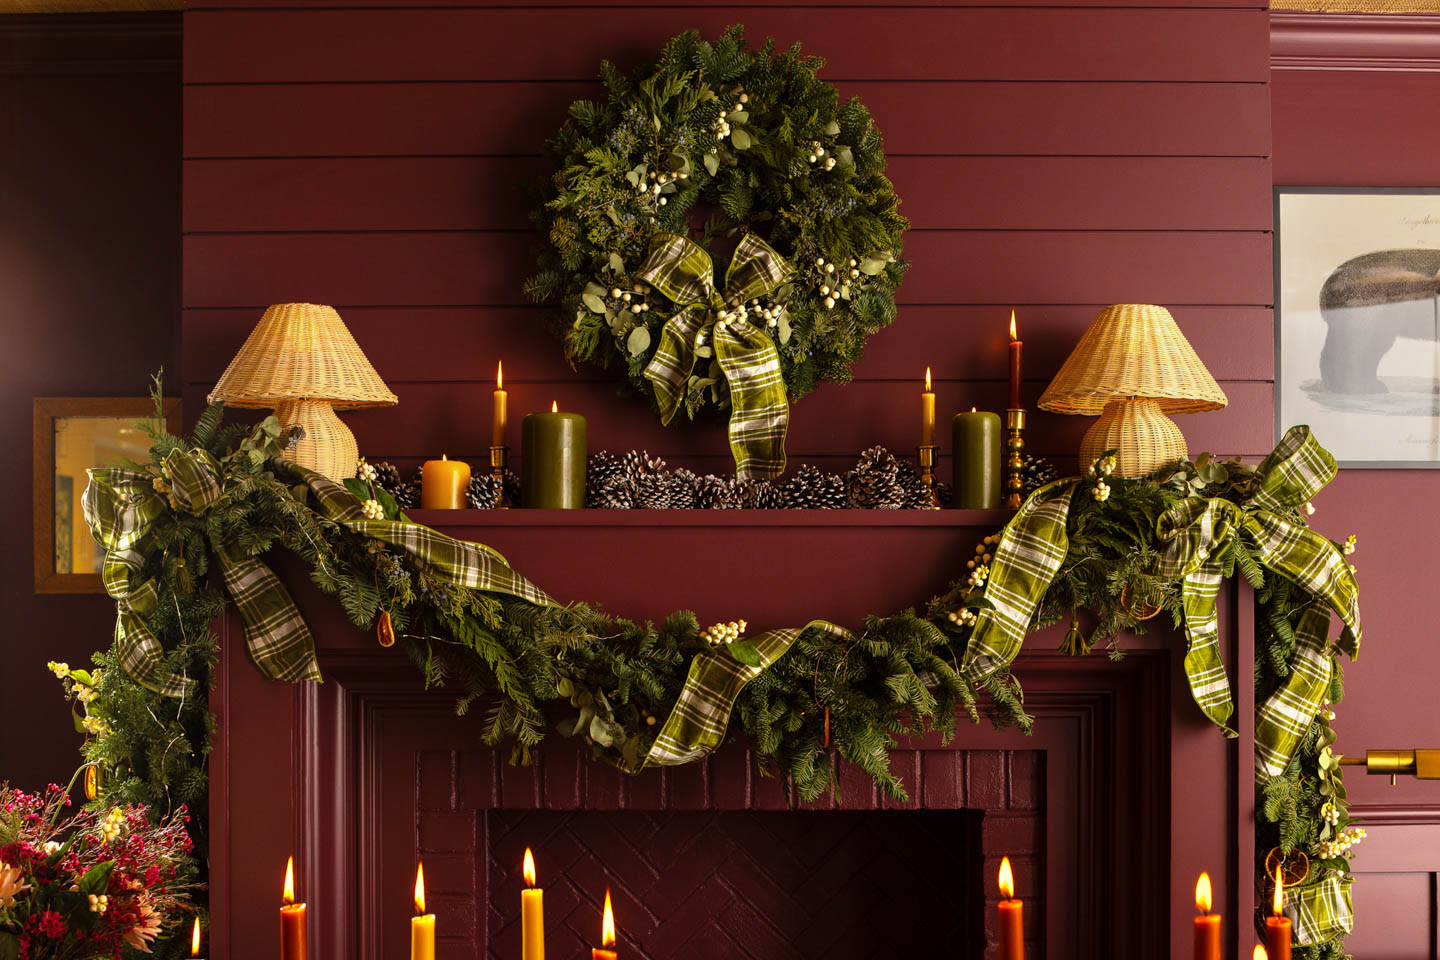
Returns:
point(927, 413)
point(1016, 344)
point(532, 914)
point(607, 949)
point(195, 940)
point(1277, 926)
point(501, 409)
point(1012, 917)
point(1207, 925)
point(292, 919)
point(422, 925)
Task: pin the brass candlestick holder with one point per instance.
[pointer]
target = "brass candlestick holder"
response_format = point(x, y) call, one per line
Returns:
point(1014, 457)
point(499, 456)
point(928, 454)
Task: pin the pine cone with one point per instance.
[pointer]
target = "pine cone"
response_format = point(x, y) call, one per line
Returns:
point(639, 463)
point(601, 469)
point(483, 493)
point(874, 484)
point(405, 492)
point(1035, 472)
point(813, 489)
point(716, 493)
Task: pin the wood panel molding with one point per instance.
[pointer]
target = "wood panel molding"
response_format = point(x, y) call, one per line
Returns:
point(90, 43)
point(1406, 43)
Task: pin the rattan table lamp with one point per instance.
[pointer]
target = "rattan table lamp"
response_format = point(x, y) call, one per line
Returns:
point(302, 360)
point(1132, 367)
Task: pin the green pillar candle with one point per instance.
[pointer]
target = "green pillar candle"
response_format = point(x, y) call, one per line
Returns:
point(977, 460)
point(552, 448)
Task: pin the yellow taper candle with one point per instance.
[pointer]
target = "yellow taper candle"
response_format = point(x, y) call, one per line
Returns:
point(532, 914)
point(422, 925)
point(500, 409)
point(927, 412)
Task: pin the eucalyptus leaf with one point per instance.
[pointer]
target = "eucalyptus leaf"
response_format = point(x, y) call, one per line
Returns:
point(784, 327)
point(616, 263)
point(638, 341)
point(595, 304)
point(740, 139)
point(564, 687)
point(738, 116)
point(871, 266)
point(744, 652)
point(704, 351)
point(844, 157)
point(832, 128)
point(712, 163)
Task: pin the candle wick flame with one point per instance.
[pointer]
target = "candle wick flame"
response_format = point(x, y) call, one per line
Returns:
point(195, 939)
point(1279, 903)
point(288, 894)
point(529, 869)
point(554, 406)
point(1203, 895)
point(1013, 335)
point(499, 375)
point(420, 888)
point(1006, 879)
point(607, 924)
point(927, 379)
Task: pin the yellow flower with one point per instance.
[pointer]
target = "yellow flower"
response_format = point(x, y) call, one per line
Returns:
point(61, 670)
point(95, 725)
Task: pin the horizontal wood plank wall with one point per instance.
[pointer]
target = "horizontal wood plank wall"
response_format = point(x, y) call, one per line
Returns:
point(1055, 157)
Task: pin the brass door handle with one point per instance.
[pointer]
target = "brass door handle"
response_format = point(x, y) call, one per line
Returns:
point(1422, 764)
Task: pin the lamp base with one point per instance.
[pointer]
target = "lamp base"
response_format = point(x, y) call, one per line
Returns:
point(1143, 438)
point(328, 446)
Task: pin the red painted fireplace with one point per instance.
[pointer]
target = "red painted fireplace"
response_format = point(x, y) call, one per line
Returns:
point(361, 775)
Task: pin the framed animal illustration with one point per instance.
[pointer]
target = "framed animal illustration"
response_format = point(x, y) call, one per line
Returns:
point(1357, 321)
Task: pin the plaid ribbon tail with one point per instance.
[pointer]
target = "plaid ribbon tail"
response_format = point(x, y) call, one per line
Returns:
point(680, 269)
point(1321, 912)
point(1285, 716)
point(697, 722)
point(1031, 549)
point(279, 640)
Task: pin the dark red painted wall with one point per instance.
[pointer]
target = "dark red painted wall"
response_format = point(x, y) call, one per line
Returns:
point(89, 270)
point(1378, 126)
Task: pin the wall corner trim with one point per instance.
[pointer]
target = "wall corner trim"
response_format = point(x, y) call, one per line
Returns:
point(90, 43)
point(1408, 43)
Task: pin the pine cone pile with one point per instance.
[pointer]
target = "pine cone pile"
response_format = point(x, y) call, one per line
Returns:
point(813, 489)
point(880, 481)
point(1035, 472)
point(484, 493)
point(405, 492)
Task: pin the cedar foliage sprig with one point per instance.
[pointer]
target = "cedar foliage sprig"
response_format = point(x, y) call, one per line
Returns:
point(732, 133)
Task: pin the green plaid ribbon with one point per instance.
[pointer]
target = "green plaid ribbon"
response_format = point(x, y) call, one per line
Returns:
point(696, 725)
point(1199, 534)
point(121, 508)
point(759, 411)
point(1320, 912)
point(461, 562)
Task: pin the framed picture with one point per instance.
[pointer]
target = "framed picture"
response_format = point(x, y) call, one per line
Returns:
point(73, 434)
point(1357, 321)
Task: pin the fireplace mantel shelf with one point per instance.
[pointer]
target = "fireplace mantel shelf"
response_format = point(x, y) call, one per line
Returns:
point(711, 519)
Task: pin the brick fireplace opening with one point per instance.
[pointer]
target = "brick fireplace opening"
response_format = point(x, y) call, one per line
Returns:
point(707, 885)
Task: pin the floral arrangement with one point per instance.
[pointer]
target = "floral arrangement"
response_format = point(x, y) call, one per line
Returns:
point(89, 885)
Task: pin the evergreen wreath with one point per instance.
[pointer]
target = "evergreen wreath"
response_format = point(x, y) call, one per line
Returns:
point(716, 142)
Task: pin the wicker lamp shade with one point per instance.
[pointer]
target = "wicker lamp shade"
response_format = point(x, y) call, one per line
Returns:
point(302, 360)
point(1133, 367)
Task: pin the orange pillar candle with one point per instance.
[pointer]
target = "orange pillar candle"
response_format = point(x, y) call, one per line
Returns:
point(292, 919)
point(195, 940)
point(927, 413)
point(443, 484)
point(1277, 926)
point(422, 925)
point(500, 409)
point(1207, 925)
point(532, 914)
point(1011, 928)
point(607, 950)
point(1016, 344)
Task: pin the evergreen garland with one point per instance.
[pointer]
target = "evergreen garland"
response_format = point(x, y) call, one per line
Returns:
point(710, 141)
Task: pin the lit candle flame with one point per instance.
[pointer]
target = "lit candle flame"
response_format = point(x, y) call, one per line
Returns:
point(607, 924)
point(1202, 893)
point(1279, 902)
point(288, 896)
point(927, 379)
point(420, 888)
point(195, 939)
point(1007, 879)
point(499, 375)
point(1260, 953)
point(529, 868)
point(554, 406)
point(1013, 335)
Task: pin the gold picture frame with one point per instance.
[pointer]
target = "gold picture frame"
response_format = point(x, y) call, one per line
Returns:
point(72, 434)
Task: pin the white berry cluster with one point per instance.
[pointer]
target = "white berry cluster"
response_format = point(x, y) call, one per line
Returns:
point(1349, 547)
point(979, 575)
point(632, 299)
point(365, 471)
point(99, 904)
point(110, 827)
point(1100, 470)
point(963, 617)
point(721, 127)
point(817, 155)
point(831, 285)
point(653, 186)
point(1309, 509)
point(719, 634)
point(741, 313)
point(982, 551)
point(372, 510)
point(1341, 844)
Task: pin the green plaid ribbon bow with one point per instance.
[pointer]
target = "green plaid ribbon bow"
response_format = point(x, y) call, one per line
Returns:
point(1320, 912)
point(696, 725)
point(121, 508)
point(759, 411)
point(463, 563)
point(1200, 534)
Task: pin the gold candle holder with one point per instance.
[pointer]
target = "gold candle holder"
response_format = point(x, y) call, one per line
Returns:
point(928, 454)
point(1014, 457)
point(499, 456)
